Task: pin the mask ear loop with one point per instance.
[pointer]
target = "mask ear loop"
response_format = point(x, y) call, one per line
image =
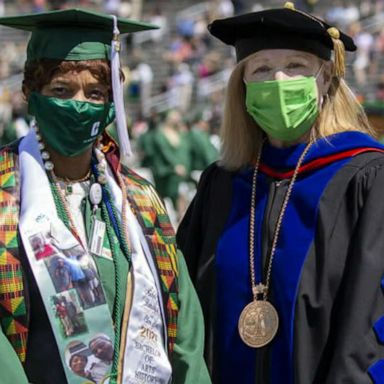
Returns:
point(319, 71)
point(323, 98)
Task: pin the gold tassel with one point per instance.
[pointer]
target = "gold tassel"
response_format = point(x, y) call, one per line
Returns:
point(289, 5)
point(338, 47)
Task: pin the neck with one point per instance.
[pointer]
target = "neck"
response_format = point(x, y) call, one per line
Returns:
point(285, 144)
point(71, 168)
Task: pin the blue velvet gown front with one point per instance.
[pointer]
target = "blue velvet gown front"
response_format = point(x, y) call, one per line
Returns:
point(237, 361)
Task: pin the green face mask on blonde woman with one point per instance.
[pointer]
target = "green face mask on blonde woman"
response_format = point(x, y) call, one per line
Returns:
point(284, 109)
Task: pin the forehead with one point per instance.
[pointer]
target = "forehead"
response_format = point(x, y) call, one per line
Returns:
point(278, 55)
point(74, 75)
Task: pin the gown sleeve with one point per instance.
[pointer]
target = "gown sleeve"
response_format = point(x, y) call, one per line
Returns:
point(202, 224)
point(188, 363)
point(10, 367)
point(340, 311)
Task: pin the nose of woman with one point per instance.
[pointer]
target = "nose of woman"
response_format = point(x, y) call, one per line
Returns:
point(80, 95)
point(280, 75)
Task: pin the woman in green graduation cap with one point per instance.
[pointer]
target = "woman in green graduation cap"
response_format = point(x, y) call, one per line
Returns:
point(128, 301)
point(285, 237)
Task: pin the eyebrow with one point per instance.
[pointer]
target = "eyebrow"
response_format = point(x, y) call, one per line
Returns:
point(60, 80)
point(269, 62)
point(301, 56)
point(64, 81)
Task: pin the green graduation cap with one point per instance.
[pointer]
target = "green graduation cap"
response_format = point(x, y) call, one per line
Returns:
point(72, 34)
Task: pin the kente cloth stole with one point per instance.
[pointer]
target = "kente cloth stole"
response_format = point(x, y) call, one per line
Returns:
point(13, 313)
point(149, 211)
point(160, 235)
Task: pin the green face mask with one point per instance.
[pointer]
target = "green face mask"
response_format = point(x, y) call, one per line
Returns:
point(69, 126)
point(284, 109)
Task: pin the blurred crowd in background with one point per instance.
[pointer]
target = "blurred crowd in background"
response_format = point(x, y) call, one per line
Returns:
point(176, 76)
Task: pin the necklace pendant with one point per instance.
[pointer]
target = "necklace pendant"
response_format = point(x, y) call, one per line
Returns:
point(68, 189)
point(258, 323)
point(259, 289)
point(95, 194)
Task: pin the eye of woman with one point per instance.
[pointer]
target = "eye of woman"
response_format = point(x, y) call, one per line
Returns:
point(294, 65)
point(60, 90)
point(98, 94)
point(298, 67)
point(261, 69)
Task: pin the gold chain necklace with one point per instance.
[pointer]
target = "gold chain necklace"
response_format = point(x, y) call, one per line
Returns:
point(68, 183)
point(73, 181)
point(259, 321)
point(64, 204)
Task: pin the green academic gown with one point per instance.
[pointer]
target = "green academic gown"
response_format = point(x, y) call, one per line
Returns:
point(164, 159)
point(203, 153)
point(187, 361)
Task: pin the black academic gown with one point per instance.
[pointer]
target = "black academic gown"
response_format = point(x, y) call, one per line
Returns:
point(337, 333)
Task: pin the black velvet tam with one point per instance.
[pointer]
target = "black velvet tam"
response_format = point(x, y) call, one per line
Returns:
point(283, 28)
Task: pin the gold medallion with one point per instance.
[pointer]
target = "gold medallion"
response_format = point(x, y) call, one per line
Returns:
point(258, 323)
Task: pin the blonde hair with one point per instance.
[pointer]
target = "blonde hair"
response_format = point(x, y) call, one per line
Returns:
point(241, 136)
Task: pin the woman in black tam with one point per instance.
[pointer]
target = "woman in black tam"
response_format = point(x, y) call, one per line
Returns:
point(87, 252)
point(285, 237)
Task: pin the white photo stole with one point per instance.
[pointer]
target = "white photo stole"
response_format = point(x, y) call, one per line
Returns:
point(46, 239)
point(76, 311)
point(145, 356)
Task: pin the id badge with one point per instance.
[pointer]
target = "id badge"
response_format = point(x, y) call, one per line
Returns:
point(97, 237)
